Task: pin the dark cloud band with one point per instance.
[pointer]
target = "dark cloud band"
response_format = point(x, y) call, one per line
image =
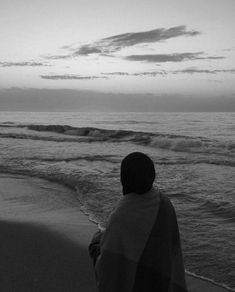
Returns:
point(112, 44)
point(117, 42)
point(71, 77)
point(203, 71)
point(164, 72)
point(147, 73)
point(151, 36)
point(161, 58)
point(22, 64)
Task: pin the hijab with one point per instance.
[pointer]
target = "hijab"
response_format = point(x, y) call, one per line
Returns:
point(137, 173)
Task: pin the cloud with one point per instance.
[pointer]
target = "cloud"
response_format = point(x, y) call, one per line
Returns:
point(177, 57)
point(71, 77)
point(151, 74)
point(213, 58)
point(106, 75)
point(56, 57)
point(151, 36)
point(147, 73)
point(112, 44)
point(116, 73)
point(205, 71)
point(22, 64)
point(87, 50)
point(192, 70)
point(118, 42)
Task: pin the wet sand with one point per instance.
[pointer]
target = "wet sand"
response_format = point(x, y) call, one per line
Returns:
point(44, 238)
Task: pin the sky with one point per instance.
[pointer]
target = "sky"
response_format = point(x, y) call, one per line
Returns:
point(152, 47)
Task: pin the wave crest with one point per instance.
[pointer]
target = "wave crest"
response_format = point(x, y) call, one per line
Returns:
point(177, 143)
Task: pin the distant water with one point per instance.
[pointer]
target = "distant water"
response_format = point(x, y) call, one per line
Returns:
point(194, 154)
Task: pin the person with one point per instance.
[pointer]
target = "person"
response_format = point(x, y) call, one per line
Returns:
point(140, 250)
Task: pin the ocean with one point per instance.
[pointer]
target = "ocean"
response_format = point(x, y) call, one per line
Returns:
point(194, 156)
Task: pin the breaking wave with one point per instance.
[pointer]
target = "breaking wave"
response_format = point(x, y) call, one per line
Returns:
point(177, 143)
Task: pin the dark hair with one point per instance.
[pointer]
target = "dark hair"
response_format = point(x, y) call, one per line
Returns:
point(137, 173)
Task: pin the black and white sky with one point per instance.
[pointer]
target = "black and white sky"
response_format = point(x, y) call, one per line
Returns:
point(157, 47)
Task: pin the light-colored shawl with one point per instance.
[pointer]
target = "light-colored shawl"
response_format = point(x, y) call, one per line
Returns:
point(140, 250)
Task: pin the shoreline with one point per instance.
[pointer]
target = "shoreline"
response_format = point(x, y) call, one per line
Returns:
point(208, 280)
point(69, 226)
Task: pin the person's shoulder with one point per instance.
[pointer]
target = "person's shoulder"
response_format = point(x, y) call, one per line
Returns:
point(164, 197)
point(166, 202)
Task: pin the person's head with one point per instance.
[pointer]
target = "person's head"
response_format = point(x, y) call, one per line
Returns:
point(137, 173)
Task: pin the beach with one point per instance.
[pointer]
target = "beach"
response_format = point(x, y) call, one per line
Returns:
point(44, 240)
point(42, 249)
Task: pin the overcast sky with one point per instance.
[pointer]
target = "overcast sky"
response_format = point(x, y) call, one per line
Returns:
point(182, 47)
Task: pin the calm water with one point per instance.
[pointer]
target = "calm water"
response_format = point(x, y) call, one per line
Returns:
point(194, 155)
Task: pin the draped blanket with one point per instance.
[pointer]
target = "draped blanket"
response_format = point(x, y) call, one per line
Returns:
point(140, 250)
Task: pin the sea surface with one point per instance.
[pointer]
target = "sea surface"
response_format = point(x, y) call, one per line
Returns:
point(194, 155)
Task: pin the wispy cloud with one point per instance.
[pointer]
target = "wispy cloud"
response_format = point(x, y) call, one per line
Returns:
point(146, 73)
point(107, 75)
point(203, 71)
point(22, 64)
point(112, 44)
point(86, 50)
point(177, 57)
point(116, 74)
point(71, 77)
point(118, 42)
point(165, 72)
point(56, 57)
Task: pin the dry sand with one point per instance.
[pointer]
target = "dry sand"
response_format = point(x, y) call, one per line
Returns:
point(44, 238)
